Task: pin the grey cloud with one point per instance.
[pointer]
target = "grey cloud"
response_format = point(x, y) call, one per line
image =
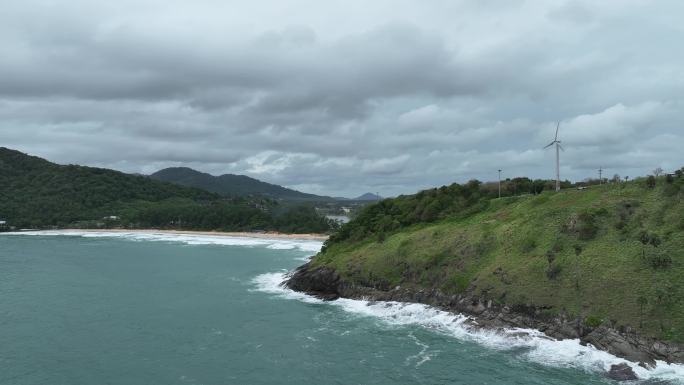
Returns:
point(345, 97)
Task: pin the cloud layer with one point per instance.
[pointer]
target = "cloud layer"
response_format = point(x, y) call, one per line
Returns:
point(343, 97)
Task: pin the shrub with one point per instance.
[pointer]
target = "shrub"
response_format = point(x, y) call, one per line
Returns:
point(381, 237)
point(557, 245)
point(651, 181)
point(655, 240)
point(586, 226)
point(457, 283)
point(550, 256)
point(528, 244)
point(553, 271)
point(625, 210)
point(578, 249)
point(593, 321)
point(659, 260)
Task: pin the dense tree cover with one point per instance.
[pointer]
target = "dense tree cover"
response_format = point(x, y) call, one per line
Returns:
point(426, 206)
point(231, 185)
point(435, 204)
point(232, 215)
point(523, 185)
point(35, 193)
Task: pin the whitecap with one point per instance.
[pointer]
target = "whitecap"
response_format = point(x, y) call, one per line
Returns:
point(536, 345)
point(272, 283)
point(188, 239)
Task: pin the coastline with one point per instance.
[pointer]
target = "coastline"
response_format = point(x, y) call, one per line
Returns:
point(264, 235)
point(324, 283)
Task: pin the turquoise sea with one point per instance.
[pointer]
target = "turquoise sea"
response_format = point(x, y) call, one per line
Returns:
point(126, 309)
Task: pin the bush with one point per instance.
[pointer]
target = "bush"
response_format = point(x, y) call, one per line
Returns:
point(557, 245)
point(381, 237)
point(578, 249)
point(651, 181)
point(625, 211)
point(528, 244)
point(550, 256)
point(586, 226)
point(553, 271)
point(593, 321)
point(659, 261)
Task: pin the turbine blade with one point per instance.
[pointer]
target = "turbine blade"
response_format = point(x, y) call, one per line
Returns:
point(561, 147)
point(557, 127)
point(549, 145)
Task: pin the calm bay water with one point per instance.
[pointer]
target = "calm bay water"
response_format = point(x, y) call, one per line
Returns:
point(134, 309)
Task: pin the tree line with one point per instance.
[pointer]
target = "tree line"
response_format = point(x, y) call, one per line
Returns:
point(35, 193)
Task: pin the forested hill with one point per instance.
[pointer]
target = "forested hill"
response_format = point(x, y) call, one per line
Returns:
point(232, 185)
point(609, 255)
point(35, 193)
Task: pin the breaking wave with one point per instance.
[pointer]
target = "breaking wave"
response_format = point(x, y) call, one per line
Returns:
point(536, 346)
point(188, 239)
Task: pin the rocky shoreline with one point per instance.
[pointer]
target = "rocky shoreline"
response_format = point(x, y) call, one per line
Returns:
point(325, 283)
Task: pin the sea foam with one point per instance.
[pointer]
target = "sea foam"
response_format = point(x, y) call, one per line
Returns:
point(188, 239)
point(536, 346)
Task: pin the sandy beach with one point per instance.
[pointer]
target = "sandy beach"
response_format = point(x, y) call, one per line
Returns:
point(265, 235)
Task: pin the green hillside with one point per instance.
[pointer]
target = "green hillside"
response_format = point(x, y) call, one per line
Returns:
point(231, 185)
point(35, 193)
point(608, 254)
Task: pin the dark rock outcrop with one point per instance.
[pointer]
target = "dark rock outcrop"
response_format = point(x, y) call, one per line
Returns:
point(622, 372)
point(627, 346)
point(320, 282)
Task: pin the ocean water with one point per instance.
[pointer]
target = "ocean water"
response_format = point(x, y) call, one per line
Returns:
point(126, 308)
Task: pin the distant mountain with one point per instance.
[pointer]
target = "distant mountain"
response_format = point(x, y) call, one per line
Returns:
point(35, 193)
point(368, 197)
point(232, 185)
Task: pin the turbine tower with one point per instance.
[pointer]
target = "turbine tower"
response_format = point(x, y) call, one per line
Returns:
point(558, 148)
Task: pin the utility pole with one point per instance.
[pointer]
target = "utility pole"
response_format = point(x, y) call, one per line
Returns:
point(499, 183)
point(600, 175)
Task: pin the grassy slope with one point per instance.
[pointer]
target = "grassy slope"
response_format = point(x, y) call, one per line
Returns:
point(503, 253)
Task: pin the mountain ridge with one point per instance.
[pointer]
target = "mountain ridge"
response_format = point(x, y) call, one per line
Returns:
point(367, 197)
point(232, 184)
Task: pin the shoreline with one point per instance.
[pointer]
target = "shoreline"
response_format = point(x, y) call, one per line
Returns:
point(238, 234)
point(324, 283)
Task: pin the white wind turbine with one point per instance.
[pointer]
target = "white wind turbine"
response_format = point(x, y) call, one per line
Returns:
point(558, 148)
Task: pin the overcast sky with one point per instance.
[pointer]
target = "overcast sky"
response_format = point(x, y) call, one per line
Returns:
point(344, 97)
